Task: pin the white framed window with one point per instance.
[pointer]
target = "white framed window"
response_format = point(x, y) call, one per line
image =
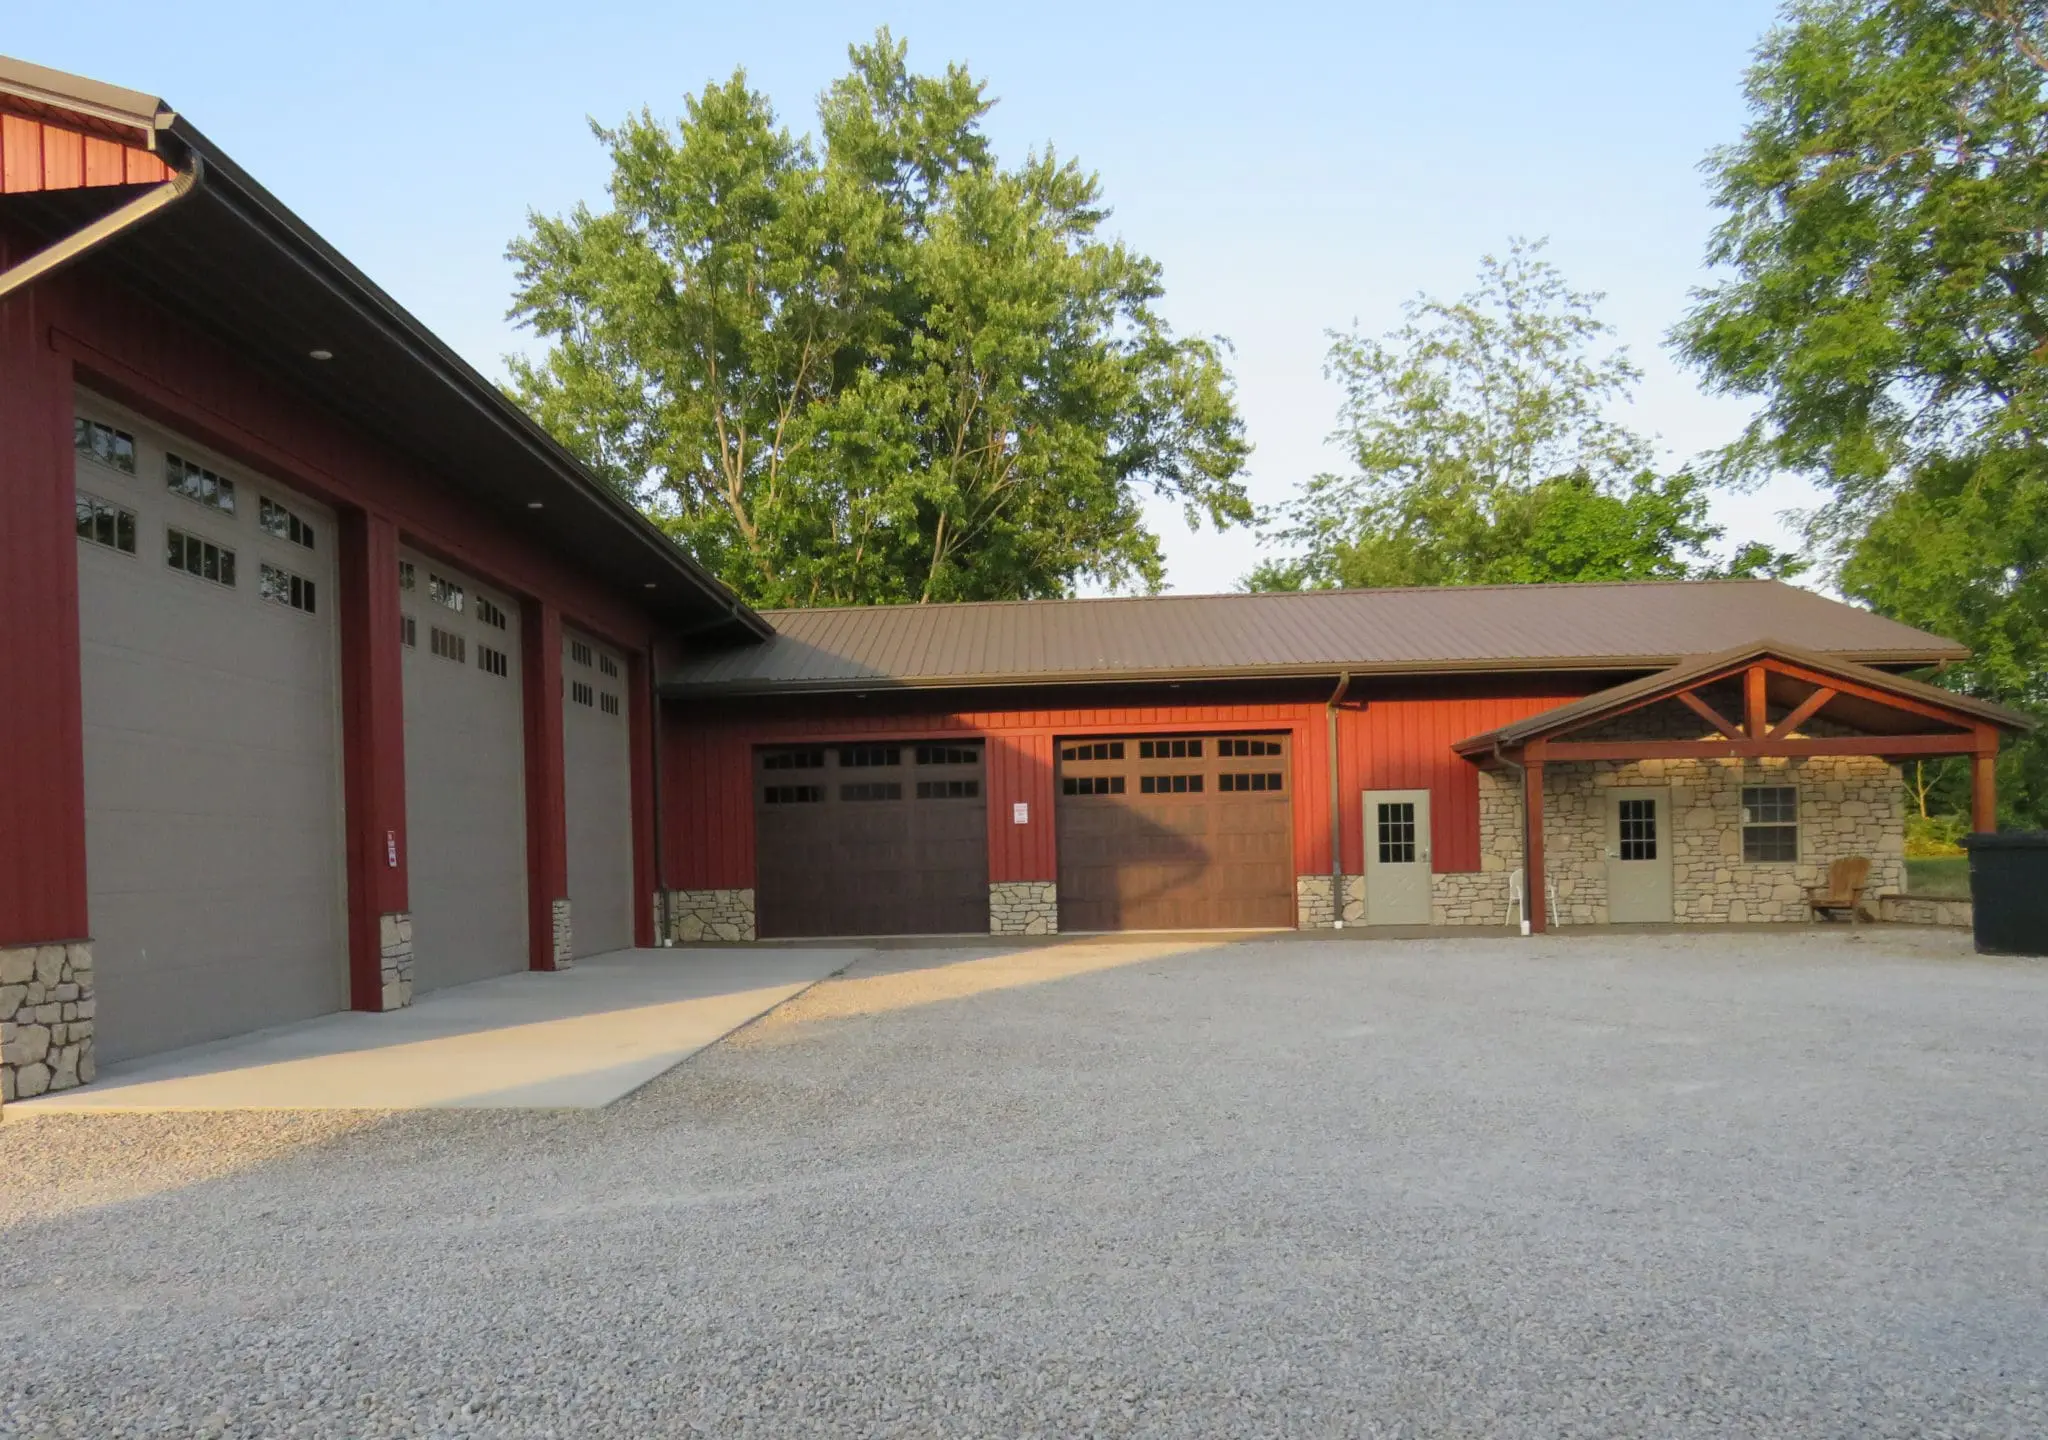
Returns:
point(281, 587)
point(447, 645)
point(489, 612)
point(445, 592)
point(112, 448)
point(277, 520)
point(200, 558)
point(1770, 823)
point(107, 524)
point(494, 662)
point(198, 484)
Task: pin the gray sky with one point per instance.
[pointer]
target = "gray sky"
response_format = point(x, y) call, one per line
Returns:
point(1294, 167)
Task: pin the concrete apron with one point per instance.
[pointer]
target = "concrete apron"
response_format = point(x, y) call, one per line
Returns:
point(572, 1040)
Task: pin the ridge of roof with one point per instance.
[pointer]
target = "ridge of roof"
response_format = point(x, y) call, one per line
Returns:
point(954, 606)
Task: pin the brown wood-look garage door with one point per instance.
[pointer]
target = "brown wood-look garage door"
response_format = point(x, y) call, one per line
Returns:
point(870, 839)
point(1183, 832)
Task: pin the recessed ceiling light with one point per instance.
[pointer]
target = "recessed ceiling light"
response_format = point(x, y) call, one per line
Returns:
point(650, 585)
point(533, 504)
point(321, 354)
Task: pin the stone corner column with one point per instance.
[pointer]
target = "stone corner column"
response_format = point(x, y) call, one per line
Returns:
point(46, 1019)
point(1023, 907)
point(394, 949)
point(563, 936)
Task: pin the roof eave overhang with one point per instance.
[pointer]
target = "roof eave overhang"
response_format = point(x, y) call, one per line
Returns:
point(757, 689)
point(231, 189)
point(323, 264)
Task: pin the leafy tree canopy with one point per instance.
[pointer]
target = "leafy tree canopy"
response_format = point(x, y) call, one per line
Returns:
point(1886, 297)
point(1482, 453)
point(881, 367)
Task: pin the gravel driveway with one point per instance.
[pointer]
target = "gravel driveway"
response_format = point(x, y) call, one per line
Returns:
point(1758, 1184)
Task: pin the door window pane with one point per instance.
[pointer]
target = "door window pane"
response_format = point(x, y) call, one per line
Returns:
point(1638, 821)
point(1397, 832)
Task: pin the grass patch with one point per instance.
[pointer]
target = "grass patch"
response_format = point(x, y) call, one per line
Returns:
point(1947, 875)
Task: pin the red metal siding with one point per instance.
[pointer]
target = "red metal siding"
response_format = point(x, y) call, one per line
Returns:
point(1404, 743)
point(707, 771)
point(66, 331)
point(547, 805)
point(640, 739)
point(373, 747)
point(37, 155)
point(42, 749)
point(1386, 740)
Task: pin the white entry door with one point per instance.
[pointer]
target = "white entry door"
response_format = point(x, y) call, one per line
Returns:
point(1638, 856)
point(1397, 889)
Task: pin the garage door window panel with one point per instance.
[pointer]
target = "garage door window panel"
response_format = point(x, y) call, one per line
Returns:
point(202, 559)
point(104, 444)
point(106, 524)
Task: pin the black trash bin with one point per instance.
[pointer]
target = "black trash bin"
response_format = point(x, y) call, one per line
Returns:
point(2009, 891)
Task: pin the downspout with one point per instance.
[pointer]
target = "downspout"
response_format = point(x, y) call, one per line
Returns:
point(1336, 803)
point(1521, 779)
point(81, 243)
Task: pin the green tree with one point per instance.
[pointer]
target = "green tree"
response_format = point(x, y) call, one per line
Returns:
point(1482, 453)
point(1886, 297)
point(879, 368)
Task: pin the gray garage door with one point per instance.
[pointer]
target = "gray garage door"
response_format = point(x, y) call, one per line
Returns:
point(212, 741)
point(465, 775)
point(598, 781)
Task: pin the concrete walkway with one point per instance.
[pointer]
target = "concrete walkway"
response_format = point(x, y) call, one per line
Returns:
point(574, 1040)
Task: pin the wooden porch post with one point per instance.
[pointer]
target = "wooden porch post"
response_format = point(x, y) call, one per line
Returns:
point(1984, 783)
point(1534, 892)
point(1755, 704)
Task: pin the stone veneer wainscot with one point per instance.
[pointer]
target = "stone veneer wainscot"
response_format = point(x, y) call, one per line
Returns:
point(695, 916)
point(46, 1019)
point(1023, 907)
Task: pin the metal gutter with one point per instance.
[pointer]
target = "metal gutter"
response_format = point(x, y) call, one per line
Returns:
point(76, 246)
point(737, 689)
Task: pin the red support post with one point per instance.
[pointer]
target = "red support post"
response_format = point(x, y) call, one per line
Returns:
point(1535, 893)
point(640, 739)
point(547, 814)
point(42, 737)
point(1755, 702)
point(1984, 783)
point(373, 764)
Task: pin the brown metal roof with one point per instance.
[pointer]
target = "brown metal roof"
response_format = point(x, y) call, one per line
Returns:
point(1634, 626)
point(1633, 693)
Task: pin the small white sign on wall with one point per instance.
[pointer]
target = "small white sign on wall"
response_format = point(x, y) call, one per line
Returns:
point(1020, 813)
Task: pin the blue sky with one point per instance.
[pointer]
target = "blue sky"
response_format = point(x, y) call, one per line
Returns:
point(1294, 167)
